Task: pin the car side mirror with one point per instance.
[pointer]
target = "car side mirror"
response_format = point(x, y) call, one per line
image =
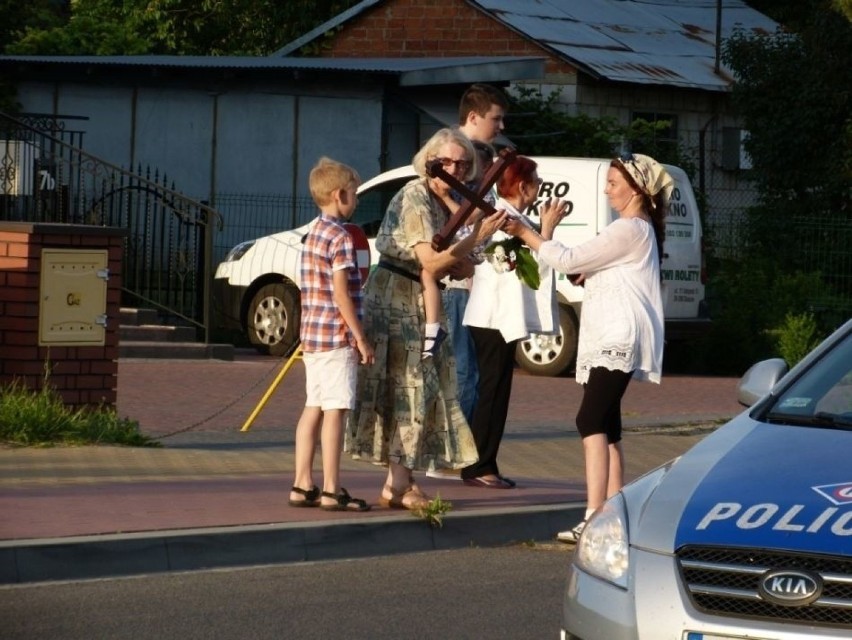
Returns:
point(759, 380)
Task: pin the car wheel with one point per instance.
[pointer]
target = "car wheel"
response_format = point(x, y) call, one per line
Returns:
point(273, 319)
point(550, 355)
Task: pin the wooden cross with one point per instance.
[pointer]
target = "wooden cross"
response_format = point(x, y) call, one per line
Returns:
point(473, 200)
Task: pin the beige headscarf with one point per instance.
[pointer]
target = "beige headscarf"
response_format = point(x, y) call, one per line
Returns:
point(649, 175)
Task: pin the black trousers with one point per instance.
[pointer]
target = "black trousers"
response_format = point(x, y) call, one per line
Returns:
point(600, 410)
point(496, 360)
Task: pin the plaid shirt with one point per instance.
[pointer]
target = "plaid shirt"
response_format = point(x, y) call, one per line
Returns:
point(328, 248)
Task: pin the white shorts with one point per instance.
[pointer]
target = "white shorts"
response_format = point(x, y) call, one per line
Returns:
point(331, 378)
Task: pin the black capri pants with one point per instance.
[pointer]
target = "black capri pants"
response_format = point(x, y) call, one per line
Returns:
point(600, 409)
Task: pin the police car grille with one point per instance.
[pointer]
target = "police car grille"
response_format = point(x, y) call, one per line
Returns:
point(724, 581)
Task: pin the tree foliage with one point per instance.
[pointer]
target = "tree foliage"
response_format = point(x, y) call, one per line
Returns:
point(178, 27)
point(792, 90)
point(794, 15)
point(793, 93)
point(539, 125)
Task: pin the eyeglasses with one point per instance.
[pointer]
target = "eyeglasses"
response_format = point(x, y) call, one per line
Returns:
point(462, 165)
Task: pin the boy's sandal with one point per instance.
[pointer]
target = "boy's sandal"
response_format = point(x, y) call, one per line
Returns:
point(416, 498)
point(311, 498)
point(345, 502)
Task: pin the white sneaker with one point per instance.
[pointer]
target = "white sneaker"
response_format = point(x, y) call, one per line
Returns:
point(444, 474)
point(572, 535)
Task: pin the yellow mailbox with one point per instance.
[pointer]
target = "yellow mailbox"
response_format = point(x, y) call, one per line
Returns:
point(73, 297)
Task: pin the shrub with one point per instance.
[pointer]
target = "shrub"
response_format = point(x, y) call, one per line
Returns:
point(30, 417)
point(796, 337)
point(750, 300)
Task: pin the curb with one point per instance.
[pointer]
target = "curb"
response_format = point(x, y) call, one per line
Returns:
point(89, 557)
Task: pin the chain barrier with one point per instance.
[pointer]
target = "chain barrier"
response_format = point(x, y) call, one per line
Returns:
point(230, 404)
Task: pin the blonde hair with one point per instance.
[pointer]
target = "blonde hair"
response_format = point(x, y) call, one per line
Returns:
point(432, 148)
point(328, 176)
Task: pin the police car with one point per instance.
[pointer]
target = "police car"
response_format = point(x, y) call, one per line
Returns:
point(256, 287)
point(747, 535)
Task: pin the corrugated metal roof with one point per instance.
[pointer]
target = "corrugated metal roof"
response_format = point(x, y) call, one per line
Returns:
point(410, 71)
point(668, 42)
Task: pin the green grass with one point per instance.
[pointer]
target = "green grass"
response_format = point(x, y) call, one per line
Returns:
point(37, 418)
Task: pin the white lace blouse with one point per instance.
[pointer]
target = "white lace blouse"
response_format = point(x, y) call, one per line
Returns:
point(622, 318)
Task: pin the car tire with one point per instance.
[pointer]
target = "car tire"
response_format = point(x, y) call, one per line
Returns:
point(272, 319)
point(551, 355)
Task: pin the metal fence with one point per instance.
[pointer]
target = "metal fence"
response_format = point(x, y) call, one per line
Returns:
point(820, 247)
point(815, 245)
point(46, 177)
point(250, 216)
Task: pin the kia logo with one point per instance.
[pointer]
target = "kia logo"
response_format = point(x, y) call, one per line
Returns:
point(790, 587)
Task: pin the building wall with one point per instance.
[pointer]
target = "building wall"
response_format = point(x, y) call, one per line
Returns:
point(256, 139)
point(434, 28)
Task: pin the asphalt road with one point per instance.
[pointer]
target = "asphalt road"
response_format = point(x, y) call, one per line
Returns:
point(512, 592)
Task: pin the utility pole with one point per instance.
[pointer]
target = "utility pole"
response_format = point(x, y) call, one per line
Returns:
point(718, 35)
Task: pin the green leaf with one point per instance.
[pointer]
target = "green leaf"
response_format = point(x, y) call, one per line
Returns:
point(527, 268)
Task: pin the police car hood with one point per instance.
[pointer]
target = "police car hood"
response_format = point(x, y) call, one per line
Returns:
point(753, 485)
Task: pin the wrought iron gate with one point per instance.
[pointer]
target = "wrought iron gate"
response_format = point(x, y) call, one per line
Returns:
point(46, 177)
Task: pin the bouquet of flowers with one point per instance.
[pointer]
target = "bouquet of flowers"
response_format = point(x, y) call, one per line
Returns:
point(512, 255)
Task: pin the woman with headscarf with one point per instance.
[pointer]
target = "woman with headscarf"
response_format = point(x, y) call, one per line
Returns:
point(621, 332)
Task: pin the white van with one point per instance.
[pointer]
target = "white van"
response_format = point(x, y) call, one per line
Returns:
point(256, 287)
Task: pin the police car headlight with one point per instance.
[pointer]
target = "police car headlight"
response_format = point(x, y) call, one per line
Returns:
point(239, 251)
point(604, 550)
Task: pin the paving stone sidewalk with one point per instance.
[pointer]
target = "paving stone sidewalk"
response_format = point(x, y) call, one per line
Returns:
point(212, 483)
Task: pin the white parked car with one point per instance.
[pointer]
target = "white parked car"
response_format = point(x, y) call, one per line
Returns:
point(746, 535)
point(256, 287)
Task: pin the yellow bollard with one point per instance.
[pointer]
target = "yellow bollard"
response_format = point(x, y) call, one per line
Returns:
point(297, 354)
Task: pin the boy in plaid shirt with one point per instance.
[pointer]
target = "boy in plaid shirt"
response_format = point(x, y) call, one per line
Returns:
point(333, 340)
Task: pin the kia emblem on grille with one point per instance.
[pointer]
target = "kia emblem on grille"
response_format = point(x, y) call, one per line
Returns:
point(790, 587)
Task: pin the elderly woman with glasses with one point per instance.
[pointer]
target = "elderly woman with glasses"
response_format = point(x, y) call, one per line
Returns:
point(406, 414)
point(621, 332)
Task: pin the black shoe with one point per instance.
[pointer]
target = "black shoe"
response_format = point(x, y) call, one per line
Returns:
point(508, 481)
point(485, 483)
point(437, 341)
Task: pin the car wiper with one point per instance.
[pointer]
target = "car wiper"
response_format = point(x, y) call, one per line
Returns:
point(819, 419)
point(834, 420)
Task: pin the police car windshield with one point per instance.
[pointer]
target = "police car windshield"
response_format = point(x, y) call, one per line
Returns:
point(822, 396)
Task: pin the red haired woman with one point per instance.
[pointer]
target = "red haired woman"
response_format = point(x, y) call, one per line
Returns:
point(511, 297)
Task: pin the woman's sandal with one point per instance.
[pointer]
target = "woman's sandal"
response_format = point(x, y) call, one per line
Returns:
point(397, 500)
point(344, 502)
point(311, 498)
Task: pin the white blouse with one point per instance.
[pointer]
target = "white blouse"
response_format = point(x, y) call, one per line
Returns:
point(622, 318)
point(501, 301)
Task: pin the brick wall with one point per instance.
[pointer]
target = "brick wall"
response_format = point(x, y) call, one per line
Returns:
point(437, 28)
point(82, 375)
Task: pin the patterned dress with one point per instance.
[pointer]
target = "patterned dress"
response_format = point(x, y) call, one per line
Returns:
point(406, 410)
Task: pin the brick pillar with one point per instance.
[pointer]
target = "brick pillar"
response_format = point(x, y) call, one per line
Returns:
point(82, 375)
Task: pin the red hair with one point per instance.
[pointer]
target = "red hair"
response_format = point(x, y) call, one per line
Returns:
point(521, 170)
